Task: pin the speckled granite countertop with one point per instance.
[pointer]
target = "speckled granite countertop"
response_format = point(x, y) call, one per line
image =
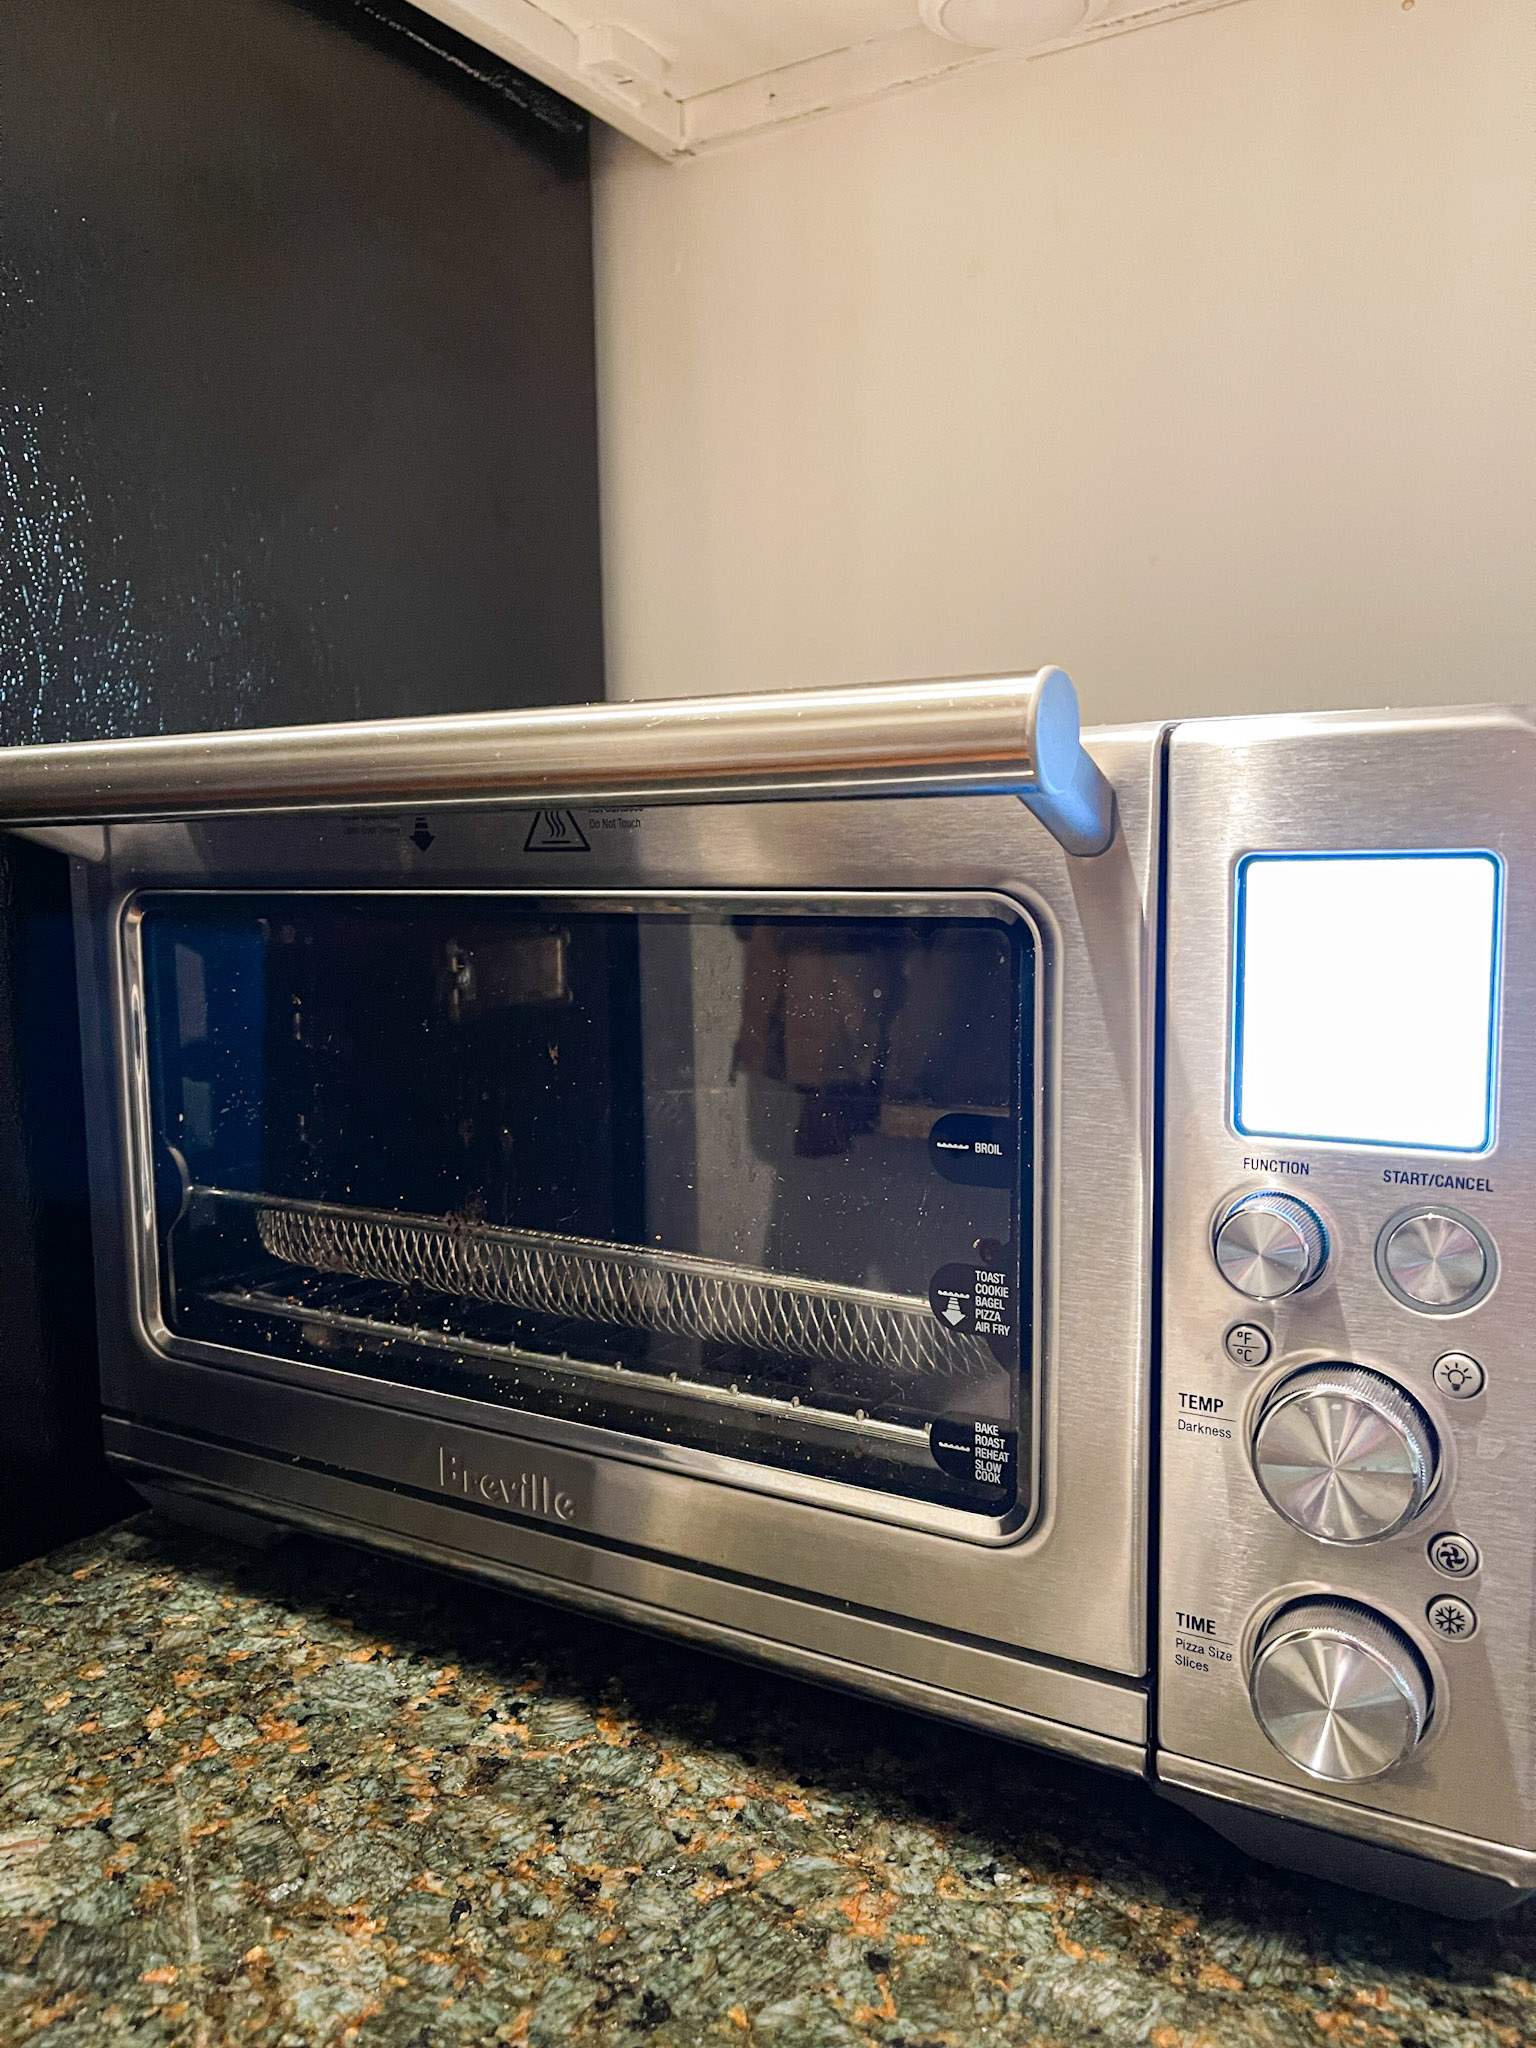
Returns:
point(311, 1797)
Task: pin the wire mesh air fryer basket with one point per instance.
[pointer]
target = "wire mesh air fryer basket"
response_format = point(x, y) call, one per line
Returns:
point(622, 1286)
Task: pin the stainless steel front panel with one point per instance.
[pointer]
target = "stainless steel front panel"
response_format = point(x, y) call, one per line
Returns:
point(1058, 1706)
point(1348, 784)
point(1072, 1586)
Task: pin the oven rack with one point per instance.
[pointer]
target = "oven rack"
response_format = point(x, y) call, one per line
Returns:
point(321, 1325)
point(620, 1286)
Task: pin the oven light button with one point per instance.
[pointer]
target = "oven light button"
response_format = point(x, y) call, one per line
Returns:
point(1458, 1375)
point(1269, 1245)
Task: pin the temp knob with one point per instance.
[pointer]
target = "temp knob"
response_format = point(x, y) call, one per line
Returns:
point(1338, 1690)
point(1344, 1453)
point(1269, 1245)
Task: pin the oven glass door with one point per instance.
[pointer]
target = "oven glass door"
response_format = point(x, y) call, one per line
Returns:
point(744, 1174)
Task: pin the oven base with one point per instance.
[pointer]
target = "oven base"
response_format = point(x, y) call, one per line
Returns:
point(1420, 1865)
point(233, 1491)
point(1362, 1866)
point(224, 1510)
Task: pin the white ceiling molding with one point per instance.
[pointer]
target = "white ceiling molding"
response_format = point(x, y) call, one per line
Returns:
point(682, 76)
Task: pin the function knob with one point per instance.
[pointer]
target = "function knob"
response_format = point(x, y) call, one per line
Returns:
point(1269, 1245)
point(1338, 1690)
point(1344, 1454)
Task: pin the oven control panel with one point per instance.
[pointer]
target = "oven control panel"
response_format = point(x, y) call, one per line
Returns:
point(1348, 1424)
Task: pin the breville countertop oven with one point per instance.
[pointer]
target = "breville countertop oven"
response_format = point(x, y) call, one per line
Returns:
point(688, 1159)
point(703, 1161)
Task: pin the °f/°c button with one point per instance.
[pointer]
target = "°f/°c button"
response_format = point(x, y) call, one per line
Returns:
point(1247, 1344)
point(1459, 1375)
point(1454, 1620)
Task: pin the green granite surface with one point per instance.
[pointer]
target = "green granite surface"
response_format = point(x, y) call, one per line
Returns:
point(312, 1797)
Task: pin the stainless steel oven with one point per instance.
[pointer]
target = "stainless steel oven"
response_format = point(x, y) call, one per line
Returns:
point(704, 1162)
point(689, 1160)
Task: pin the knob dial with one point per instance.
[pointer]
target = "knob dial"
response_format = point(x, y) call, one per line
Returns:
point(1269, 1245)
point(1344, 1454)
point(1338, 1690)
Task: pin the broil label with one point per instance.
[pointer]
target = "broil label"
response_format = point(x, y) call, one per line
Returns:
point(976, 1151)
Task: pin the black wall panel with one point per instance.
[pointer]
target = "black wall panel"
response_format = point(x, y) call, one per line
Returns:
point(297, 408)
point(53, 1480)
point(297, 421)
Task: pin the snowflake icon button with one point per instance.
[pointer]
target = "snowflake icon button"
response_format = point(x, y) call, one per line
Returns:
point(1455, 1555)
point(1452, 1619)
point(1459, 1376)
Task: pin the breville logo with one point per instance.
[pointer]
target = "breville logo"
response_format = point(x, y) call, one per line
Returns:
point(529, 1492)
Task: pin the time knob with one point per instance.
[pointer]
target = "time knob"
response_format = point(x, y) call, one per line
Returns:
point(1338, 1690)
point(1344, 1453)
point(1269, 1245)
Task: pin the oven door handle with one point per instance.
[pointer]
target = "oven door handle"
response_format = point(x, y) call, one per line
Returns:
point(1004, 734)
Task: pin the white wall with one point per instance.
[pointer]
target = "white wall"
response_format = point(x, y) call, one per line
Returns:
point(1202, 362)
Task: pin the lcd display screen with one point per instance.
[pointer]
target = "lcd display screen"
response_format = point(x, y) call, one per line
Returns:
point(1366, 998)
